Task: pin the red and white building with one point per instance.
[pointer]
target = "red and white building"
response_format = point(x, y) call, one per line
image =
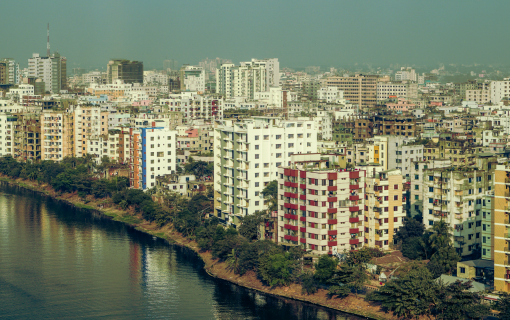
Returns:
point(320, 209)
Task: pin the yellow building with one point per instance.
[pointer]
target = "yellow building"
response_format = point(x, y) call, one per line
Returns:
point(57, 129)
point(384, 212)
point(500, 232)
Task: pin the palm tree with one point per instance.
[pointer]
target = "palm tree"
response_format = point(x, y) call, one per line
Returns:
point(233, 261)
point(441, 234)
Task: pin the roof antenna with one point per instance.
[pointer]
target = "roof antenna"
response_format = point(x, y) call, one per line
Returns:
point(48, 45)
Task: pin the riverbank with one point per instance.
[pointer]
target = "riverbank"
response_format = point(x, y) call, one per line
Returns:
point(215, 268)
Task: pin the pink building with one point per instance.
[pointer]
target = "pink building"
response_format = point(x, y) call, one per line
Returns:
point(402, 105)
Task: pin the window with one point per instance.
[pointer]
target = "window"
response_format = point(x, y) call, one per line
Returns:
point(395, 197)
point(278, 146)
point(266, 137)
point(257, 156)
point(291, 145)
point(395, 187)
point(278, 155)
point(462, 270)
point(256, 174)
point(290, 136)
point(256, 203)
point(256, 147)
point(256, 137)
point(256, 184)
point(431, 189)
point(278, 136)
point(266, 165)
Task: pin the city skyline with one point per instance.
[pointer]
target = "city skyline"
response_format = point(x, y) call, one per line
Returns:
point(300, 34)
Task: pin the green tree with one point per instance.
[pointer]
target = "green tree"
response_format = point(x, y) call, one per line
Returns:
point(325, 268)
point(277, 268)
point(457, 302)
point(503, 306)
point(411, 295)
point(441, 234)
point(414, 248)
point(250, 225)
point(443, 261)
point(308, 283)
point(233, 261)
point(353, 277)
point(411, 229)
point(270, 192)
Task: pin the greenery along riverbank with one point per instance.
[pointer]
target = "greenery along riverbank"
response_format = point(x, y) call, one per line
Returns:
point(247, 261)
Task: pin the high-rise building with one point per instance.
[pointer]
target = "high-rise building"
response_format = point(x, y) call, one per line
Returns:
point(125, 70)
point(498, 234)
point(51, 70)
point(320, 208)
point(247, 157)
point(13, 72)
point(4, 72)
point(358, 89)
point(192, 78)
point(384, 213)
point(405, 74)
point(152, 154)
point(247, 79)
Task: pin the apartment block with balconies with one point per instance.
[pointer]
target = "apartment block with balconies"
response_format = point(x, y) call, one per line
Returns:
point(455, 195)
point(246, 159)
point(320, 208)
point(500, 231)
point(384, 202)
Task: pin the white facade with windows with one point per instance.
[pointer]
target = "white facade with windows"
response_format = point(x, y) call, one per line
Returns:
point(500, 90)
point(247, 156)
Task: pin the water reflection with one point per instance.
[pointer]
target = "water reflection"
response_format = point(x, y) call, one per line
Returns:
point(58, 262)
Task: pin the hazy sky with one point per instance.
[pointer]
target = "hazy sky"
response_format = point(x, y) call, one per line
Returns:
point(299, 33)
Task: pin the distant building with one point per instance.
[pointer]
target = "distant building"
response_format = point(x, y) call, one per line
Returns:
point(125, 70)
point(192, 79)
point(50, 70)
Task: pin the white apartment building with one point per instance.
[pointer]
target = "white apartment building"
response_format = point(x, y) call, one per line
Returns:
point(154, 78)
point(274, 98)
point(405, 74)
point(247, 79)
point(246, 157)
point(193, 78)
point(417, 178)
point(331, 95)
point(194, 106)
point(500, 90)
point(22, 90)
point(41, 67)
point(455, 195)
point(152, 154)
point(93, 77)
point(399, 89)
point(6, 134)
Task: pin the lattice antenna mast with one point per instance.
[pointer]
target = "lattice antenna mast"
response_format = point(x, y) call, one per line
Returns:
point(48, 44)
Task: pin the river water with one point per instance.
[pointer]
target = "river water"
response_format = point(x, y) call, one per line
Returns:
point(57, 262)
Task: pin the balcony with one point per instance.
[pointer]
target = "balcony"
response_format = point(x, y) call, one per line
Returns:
point(332, 221)
point(353, 241)
point(354, 175)
point(354, 198)
point(302, 218)
point(354, 186)
point(332, 188)
point(354, 208)
point(332, 232)
point(290, 227)
point(332, 244)
point(302, 240)
point(353, 230)
point(291, 238)
point(354, 220)
point(302, 196)
point(332, 199)
point(302, 186)
point(332, 210)
point(302, 229)
point(290, 216)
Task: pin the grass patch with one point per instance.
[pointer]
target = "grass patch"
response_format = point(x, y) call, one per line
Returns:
point(84, 206)
point(129, 219)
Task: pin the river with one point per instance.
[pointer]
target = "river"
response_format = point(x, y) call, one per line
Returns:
point(57, 262)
